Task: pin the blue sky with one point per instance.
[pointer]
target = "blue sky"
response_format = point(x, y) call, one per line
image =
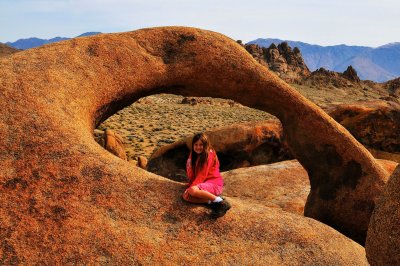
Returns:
point(351, 22)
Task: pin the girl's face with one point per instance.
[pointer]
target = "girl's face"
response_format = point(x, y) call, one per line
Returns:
point(198, 147)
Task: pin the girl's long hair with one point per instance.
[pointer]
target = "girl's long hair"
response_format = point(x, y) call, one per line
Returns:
point(203, 157)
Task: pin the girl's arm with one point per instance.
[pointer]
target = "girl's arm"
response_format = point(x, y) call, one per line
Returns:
point(189, 171)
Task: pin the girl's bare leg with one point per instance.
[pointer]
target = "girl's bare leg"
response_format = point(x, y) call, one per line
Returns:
point(195, 195)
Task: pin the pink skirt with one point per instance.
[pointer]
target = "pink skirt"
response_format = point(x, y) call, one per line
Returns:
point(210, 187)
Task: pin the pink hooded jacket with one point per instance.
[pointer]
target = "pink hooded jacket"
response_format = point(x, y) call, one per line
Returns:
point(209, 173)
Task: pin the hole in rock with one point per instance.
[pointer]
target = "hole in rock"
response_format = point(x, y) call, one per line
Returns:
point(163, 119)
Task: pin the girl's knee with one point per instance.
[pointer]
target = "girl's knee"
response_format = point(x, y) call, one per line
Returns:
point(192, 190)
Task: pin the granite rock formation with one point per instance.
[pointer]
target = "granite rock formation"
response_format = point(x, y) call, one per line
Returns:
point(323, 77)
point(114, 144)
point(111, 141)
point(288, 64)
point(351, 74)
point(383, 243)
point(375, 124)
point(66, 200)
point(142, 162)
point(282, 185)
point(393, 86)
point(237, 146)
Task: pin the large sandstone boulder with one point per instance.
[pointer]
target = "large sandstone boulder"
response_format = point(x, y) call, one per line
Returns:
point(66, 200)
point(142, 162)
point(282, 185)
point(385, 155)
point(114, 144)
point(237, 146)
point(383, 242)
point(111, 141)
point(375, 124)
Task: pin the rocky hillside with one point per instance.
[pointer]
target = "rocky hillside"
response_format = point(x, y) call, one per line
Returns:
point(286, 62)
point(289, 65)
point(393, 86)
point(378, 64)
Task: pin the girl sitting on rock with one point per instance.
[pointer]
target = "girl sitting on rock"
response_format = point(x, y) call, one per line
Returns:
point(205, 181)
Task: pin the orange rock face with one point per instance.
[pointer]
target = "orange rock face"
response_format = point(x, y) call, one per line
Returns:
point(283, 185)
point(65, 200)
point(114, 144)
point(376, 124)
point(111, 141)
point(383, 243)
point(142, 162)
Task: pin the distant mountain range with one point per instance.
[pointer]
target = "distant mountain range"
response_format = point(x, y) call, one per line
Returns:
point(378, 64)
point(35, 42)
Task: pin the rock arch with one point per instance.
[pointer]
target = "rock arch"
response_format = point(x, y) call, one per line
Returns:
point(62, 195)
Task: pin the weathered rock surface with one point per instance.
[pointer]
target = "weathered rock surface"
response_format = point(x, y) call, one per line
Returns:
point(351, 74)
point(72, 202)
point(114, 144)
point(237, 146)
point(282, 185)
point(323, 77)
point(385, 155)
point(393, 86)
point(383, 242)
point(281, 59)
point(111, 141)
point(375, 124)
point(142, 162)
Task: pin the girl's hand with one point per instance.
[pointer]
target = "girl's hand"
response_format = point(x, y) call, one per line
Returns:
point(186, 196)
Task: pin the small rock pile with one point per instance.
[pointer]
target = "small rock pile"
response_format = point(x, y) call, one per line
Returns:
point(351, 74)
point(208, 101)
point(393, 86)
point(324, 77)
